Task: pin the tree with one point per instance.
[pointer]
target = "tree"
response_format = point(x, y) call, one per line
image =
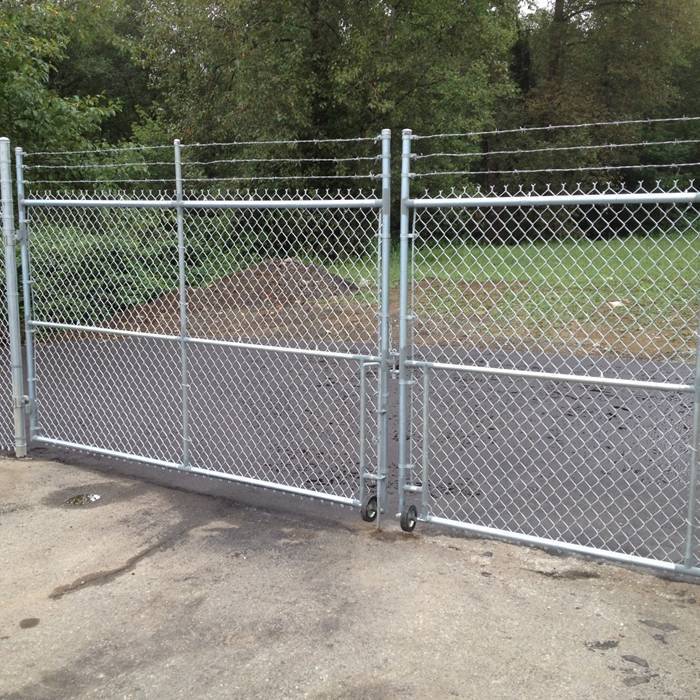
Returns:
point(103, 55)
point(32, 40)
point(334, 68)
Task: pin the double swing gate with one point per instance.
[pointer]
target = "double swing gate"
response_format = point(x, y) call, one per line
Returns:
point(523, 364)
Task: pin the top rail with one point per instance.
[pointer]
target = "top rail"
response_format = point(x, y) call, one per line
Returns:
point(556, 200)
point(372, 203)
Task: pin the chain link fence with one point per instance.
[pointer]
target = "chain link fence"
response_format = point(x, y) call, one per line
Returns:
point(7, 427)
point(236, 310)
point(225, 331)
point(550, 369)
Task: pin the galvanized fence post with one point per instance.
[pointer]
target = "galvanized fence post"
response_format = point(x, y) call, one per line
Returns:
point(404, 314)
point(182, 279)
point(8, 228)
point(26, 292)
point(384, 328)
point(691, 539)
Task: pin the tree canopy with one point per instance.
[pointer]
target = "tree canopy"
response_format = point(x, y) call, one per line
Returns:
point(95, 71)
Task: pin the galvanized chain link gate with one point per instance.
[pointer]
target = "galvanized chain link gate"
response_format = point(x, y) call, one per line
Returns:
point(545, 397)
point(229, 336)
point(547, 384)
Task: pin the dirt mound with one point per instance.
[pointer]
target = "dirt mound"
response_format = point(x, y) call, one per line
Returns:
point(277, 298)
point(281, 281)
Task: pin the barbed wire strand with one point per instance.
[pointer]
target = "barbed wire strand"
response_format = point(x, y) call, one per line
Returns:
point(277, 142)
point(281, 142)
point(205, 179)
point(223, 161)
point(550, 149)
point(553, 127)
point(111, 149)
point(552, 170)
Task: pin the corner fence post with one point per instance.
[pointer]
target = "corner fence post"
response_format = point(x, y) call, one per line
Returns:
point(8, 229)
point(182, 279)
point(384, 329)
point(404, 312)
point(26, 293)
point(690, 540)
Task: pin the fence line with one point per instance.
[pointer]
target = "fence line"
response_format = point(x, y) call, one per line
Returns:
point(547, 356)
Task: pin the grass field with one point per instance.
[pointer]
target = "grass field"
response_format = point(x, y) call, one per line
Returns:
point(634, 296)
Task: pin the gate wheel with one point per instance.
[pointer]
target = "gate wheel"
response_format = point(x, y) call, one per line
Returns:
point(409, 518)
point(369, 510)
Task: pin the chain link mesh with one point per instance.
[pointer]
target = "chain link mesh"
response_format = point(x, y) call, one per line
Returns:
point(294, 279)
point(7, 426)
point(584, 290)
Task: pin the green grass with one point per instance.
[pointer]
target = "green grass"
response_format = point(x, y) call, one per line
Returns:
point(549, 290)
point(552, 292)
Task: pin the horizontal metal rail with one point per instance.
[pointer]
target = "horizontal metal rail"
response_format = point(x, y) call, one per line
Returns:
point(555, 200)
point(570, 378)
point(618, 557)
point(209, 204)
point(355, 357)
point(195, 470)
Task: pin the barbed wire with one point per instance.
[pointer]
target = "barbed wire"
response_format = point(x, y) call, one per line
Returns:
point(553, 127)
point(223, 161)
point(92, 166)
point(549, 149)
point(516, 171)
point(97, 182)
point(216, 144)
point(111, 149)
point(281, 142)
point(205, 179)
point(368, 176)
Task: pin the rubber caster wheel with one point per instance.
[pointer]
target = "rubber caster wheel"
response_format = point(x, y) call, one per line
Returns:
point(409, 518)
point(369, 510)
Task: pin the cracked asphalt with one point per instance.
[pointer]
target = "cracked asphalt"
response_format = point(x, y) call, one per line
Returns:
point(154, 591)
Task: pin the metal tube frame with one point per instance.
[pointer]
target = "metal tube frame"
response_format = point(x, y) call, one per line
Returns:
point(179, 204)
point(691, 539)
point(201, 204)
point(690, 561)
point(12, 294)
point(127, 456)
point(384, 330)
point(405, 374)
point(182, 279)
point(26, 295)
point(555, 200)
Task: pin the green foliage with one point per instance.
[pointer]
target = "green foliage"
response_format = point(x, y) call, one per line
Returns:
point(103, 55)
point(32, 40)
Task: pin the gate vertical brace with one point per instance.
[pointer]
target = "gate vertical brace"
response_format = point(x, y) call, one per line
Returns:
point(384, 329)
point(404, 317)
point(8, 228)
point(182, 277)
point(26, 294)
point(690, 540)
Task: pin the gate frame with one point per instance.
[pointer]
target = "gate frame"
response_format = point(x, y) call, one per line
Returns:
point(408, 513)
point(371, 511)
point(12, 299)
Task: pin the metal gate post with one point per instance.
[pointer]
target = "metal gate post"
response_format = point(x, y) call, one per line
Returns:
point(690, 540)
point(384, 329)
point(26, 292)
point(404, 315)
point(182, 279)
point(8, 228)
